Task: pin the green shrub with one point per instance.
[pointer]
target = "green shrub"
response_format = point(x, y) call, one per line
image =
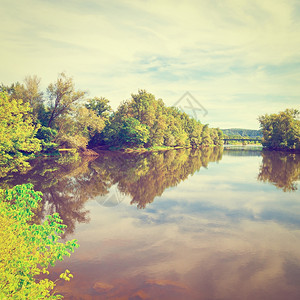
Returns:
point(27, 249)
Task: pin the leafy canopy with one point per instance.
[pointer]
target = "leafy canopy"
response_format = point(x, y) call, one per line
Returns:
point(166, 126)
point(17, 134)
point(26, 249)
point(62, 97)
point(282, 130)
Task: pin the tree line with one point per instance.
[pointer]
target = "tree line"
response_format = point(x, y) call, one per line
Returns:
point(64, 117)
point(240, 132)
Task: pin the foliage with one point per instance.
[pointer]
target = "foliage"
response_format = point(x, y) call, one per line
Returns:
point(100, 106)
point(132, 133)
point(32, 121)
point(167, 126)
point(282, 130)
point(62, 98)
point(46, 135)
point(17, 135)
point(76, 130)
point(28, 249)
point(102, 109)
point(29, 93)
point(67, 121)
point(76, 124)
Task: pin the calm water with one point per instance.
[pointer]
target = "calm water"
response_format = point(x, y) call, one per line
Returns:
point(177, 225)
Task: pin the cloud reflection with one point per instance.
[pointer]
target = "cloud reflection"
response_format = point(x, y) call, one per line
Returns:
point(194, 241)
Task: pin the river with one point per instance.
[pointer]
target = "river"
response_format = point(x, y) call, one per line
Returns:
point(211, 224)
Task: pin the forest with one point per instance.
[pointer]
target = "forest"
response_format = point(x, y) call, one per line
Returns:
point(32, 121)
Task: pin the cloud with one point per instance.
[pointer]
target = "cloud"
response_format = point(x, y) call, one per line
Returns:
point(229, 53)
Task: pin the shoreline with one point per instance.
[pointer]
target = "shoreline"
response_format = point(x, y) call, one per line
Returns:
point(97, 150)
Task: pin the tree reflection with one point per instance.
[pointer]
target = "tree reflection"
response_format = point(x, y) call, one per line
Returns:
point(145, 176)
point(67, 185)
point(281, 169)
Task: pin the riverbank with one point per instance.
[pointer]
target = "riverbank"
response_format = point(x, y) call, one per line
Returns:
point(150, 149)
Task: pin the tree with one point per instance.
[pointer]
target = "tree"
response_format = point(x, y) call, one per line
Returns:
point(103, 110)
point(14, 91)
point(34, 96)
point(100, 106)
point(17, 135)
point(62, 97)
point(28, 249)
point(206, 137)
point(167, 126)
point(133, 133)
point(46, 135)
point(77, 129)
point(32, 93)
point(29, 93)
point(282, 130)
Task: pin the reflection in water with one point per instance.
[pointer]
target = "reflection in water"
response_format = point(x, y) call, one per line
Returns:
point(231, 151)
point(281, 169)
point(145, 176)
point(113, 198)
point(68, 185)
point(215, 231)
point(218, 230)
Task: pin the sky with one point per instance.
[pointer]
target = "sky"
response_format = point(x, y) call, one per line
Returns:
point(238, 59)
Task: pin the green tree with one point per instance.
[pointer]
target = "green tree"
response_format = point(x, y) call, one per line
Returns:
point(100, 106)
point(167, 126)
point(14, 91)
point(62, 97)
point(133, 133)
point(28, 249)
point(46, 135)
point(29, 93)
point(103, 110)
point(206, 137)
point(282, 130)
point(17, 135)
point(75, 131)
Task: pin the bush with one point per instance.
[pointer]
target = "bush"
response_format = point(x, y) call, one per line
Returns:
point(28, 249)
point(46, 135)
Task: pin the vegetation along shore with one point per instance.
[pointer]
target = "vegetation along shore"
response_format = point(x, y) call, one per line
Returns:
point(64, 119)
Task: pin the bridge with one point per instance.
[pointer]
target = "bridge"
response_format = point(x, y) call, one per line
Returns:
point(226, 140)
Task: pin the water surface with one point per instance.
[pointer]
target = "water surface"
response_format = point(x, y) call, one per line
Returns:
point(179, 224)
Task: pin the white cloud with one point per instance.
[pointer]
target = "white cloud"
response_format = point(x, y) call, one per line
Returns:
point(223, 52)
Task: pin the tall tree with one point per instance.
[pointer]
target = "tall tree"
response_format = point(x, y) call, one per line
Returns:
point(29, 92)
point(32, 93)
point(63, 97)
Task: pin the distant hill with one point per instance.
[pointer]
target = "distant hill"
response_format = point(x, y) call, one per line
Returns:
point(242, 132)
